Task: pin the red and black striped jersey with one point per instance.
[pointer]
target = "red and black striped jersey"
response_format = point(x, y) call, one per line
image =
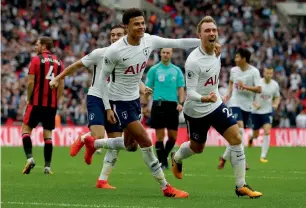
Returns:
point(45, 67)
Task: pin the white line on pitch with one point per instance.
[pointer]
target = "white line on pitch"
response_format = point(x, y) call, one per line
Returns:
point(71, 205)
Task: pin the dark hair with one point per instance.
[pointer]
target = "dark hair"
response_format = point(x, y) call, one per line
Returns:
point(244, 53)
point(47, 41)
point(118, 26)
point(131, 13)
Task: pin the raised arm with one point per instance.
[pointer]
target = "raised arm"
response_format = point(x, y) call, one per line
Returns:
point(159, 42)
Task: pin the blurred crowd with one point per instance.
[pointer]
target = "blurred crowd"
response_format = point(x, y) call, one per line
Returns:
point(80, 26)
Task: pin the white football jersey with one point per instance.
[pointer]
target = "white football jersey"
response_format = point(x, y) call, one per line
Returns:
point(269, 91)
point(93, 62)
point(240, 97)
point(127, 64)
point(202, 77)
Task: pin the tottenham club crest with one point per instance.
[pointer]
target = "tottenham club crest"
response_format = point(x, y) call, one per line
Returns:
point(91, 116)
point(124, 115)
point(146, 51)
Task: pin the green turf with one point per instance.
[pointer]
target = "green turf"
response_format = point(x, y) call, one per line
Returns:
point(282, 181)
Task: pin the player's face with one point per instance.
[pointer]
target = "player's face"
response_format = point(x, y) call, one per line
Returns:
point(268, 74)
point(136, 27)
point(208, 33)
point(116, 34)
point(38, 47)
point(239, 60)
point(166, 54)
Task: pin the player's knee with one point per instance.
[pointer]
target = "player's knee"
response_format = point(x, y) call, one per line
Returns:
point(255, 134)
point(236, 139)
point(197, 148)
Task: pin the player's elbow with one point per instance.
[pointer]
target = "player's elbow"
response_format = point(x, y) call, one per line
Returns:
point(258, 89)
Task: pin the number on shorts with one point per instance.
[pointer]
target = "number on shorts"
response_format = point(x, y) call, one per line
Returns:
point(50, 74)
point(228, 113)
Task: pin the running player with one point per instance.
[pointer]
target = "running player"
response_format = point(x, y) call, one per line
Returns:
point(265, 102)
point(243, 84)
point(204, 108)
point(42, 101)
point(126, 60)
point(96, 112)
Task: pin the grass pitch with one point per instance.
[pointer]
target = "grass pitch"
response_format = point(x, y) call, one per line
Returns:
point(282, 181)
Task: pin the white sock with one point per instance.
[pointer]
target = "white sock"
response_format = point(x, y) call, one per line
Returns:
point(110, 160)
point(227, 153)
point(31, 159)
point(85, 135)
point(152, 162)
point(110, 143)
point(184, 152)
point(238, 163)
point(265, 146)
point(241, 131)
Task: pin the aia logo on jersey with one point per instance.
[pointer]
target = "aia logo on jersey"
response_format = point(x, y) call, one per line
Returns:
point(136, 70)
point(265, 97)
point(211, 80)
point(146, 51)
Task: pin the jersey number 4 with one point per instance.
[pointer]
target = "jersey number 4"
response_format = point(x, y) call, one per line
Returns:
point(50, 74)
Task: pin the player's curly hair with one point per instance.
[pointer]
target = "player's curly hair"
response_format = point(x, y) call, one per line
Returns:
point(207, 19)
point(131, 13)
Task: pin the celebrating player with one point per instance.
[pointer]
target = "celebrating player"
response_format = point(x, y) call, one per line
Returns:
point(42, 101)
point(126, 60)
point(204, 108)
point(167, 81)
point(243, 84)
point(95, 106)
point(265, 102)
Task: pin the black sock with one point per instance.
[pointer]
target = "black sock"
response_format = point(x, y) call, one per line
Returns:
point(48, 148)
point(169, 146)
point(160, 150)
point(27, 145)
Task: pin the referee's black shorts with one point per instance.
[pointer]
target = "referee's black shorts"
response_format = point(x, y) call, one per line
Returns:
point(164, 115)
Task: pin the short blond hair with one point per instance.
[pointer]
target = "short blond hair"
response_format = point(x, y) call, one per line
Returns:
point(207, 19)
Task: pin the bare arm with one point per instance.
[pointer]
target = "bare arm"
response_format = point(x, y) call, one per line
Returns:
point(276, 102)
point(69, 70)
point(256, 89)
point(60, 89)
point(31, 80)
point(181, 94)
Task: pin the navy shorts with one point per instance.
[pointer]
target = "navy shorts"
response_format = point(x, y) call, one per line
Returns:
point(97, 115)
point(126, 111)
point(258, 120)
point(221, 119)
point(241, 115)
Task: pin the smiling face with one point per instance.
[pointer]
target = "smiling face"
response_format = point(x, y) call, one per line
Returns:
point(208, 33)
point(136, 27)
